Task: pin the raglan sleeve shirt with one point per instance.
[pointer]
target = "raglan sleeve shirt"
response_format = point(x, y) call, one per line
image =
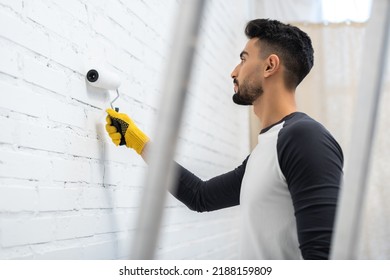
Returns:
point(311, 162)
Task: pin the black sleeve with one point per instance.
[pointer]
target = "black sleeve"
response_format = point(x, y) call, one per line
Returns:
point(217, 193)
point(312, 161)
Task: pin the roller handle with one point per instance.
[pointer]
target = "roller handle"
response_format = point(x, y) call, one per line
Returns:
point(118, 128)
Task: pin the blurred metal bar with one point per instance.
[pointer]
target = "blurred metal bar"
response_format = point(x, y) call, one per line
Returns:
point(351, 202)
point(161, 172)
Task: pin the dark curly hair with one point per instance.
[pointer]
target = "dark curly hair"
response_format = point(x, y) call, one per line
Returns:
point(289, 43)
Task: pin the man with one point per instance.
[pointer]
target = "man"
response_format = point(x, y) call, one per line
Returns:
point(288, 186)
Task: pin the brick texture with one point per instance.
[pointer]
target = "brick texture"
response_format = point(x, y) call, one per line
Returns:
point(66, 192)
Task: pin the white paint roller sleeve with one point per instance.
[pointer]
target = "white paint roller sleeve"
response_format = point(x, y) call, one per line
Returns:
point(103, 79)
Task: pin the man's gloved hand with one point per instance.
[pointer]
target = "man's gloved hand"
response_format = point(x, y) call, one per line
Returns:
point(134, 137)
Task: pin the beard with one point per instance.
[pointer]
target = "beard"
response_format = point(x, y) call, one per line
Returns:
point(247, 93)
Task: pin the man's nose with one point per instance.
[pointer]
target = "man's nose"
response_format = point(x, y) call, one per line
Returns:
point(234, 72)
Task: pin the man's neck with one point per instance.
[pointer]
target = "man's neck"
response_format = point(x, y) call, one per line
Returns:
point(272, 108)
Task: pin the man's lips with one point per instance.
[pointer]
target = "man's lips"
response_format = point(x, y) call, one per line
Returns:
point(235, 88)
point(235, 83)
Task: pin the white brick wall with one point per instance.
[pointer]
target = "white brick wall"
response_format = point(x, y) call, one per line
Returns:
point(66, 192)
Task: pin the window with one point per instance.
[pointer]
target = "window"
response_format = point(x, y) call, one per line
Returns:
point(346, 10)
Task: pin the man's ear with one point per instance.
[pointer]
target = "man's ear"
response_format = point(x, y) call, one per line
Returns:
point(272, 65)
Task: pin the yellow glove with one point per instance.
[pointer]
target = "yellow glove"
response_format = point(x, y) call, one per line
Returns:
point(123, 131)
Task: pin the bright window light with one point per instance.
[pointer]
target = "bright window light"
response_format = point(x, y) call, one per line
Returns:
point(346, 10)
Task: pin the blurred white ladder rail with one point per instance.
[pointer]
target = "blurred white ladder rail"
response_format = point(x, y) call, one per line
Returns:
point(161, 172)
point(353, 191)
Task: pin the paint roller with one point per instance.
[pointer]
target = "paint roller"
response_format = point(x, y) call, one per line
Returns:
point(104, 79)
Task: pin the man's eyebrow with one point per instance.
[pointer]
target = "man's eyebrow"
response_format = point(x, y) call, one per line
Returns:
point(244, 53)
